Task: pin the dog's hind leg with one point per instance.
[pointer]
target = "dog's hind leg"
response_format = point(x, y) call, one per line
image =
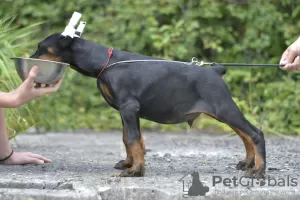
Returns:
point(228, 113)
point(248, 162)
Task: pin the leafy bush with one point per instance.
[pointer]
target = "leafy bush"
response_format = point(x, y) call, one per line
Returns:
point(20, 119)
point(220, 31)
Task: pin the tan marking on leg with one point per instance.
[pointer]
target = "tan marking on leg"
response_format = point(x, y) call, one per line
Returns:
point(142, 142)
point(251, 148)
point(129, 158)
point(250, 155)
point(138, 156)
point(258, 159)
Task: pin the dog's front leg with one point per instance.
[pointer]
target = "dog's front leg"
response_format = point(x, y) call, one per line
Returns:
point(130, 117)
point(127, 163)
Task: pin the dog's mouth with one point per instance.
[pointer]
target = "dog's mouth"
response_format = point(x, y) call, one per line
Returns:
point(50, 58)
point(47, 57)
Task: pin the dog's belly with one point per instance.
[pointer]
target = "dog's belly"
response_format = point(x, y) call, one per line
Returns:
point(171, 119)
point(168, 112)
point(170, 102)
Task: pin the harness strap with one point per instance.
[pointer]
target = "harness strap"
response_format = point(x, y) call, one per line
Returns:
point(110, 54)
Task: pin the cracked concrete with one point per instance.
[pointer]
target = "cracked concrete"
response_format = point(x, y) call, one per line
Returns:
point(82, 168)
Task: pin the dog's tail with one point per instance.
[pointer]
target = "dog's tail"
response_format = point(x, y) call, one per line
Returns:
point(219, 69)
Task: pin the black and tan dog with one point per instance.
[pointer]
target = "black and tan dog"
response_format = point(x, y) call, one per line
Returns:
point(163, 92)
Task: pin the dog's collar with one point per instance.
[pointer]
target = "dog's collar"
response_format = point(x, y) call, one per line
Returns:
point(110, 54)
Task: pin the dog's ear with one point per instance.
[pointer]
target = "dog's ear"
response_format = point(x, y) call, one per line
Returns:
point(65, 41)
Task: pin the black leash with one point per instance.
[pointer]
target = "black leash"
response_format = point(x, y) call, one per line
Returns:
point(196, 62)
point(246, 65)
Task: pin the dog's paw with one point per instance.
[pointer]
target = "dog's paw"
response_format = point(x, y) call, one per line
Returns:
point(244, 165)
point(258, 174)
point(133, 172)
point(122, 164)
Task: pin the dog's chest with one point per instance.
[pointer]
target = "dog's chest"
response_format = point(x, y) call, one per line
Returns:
point(106, 93)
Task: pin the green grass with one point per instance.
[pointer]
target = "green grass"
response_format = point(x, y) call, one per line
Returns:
point(13, 43)
point(269, 98)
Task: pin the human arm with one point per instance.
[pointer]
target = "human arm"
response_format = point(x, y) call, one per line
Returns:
point(8, 100)
point(24, 93)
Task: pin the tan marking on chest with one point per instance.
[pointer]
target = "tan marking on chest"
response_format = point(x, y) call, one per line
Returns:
point(106, 91)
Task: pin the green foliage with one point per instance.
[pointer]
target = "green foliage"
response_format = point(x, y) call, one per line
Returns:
point(18, 120)
point(220, 31)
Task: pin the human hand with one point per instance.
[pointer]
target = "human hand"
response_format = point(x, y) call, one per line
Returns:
point(27, 92)
point(21, 158)
point(291, 57)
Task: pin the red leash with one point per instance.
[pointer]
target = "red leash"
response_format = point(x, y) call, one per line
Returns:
point(110, 54)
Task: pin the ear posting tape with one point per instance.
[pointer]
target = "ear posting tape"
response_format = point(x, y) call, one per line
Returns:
point(79, 29)
point(70, 28)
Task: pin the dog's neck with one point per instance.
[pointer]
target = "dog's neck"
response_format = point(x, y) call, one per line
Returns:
point(87, 57)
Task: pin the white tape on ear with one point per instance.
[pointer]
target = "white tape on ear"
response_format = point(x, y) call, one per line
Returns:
point(75, 18)
point(79, 29)
point(70, 28)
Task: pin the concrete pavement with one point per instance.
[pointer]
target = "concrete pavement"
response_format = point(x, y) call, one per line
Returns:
point(82, 168)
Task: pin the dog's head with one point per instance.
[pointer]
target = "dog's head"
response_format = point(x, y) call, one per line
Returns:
point(55, 47)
